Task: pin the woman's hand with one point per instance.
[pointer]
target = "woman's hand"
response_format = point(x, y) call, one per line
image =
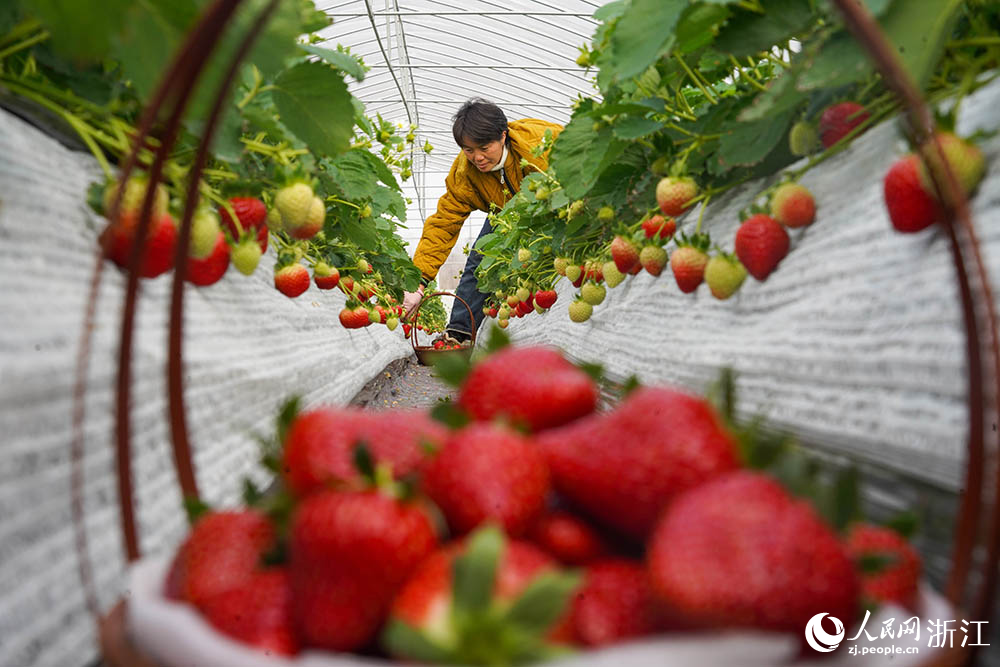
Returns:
point(411, 300)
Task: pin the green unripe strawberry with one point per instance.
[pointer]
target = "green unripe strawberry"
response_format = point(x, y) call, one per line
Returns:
point(500, 295)
point(580, 311)
point(573, 272)
point(583, 60)
point(560, 264)
point(606, 214)
point(204, 233)
point(392, 323)
point(135, 192)
point(542, 193)
point(293, 203)
point(964, 159)
point(523, 255)
point(803, 139)
point(427, 147)
point(661, 166)
point(538, 309)
point(274, 222)
point(366, 211)
point(504, 312)
point(532, 185)
point(364, 266)
point(374, 317)
point(724, 275)
point(612, 276)
point(523, 293)
point(575, 208)
point(246, 256)
point(593, 293)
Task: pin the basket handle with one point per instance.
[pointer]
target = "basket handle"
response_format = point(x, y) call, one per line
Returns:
point(413, 317)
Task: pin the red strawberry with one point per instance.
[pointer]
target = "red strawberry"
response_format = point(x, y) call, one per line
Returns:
point(349, 554)
point(761, 243)
point(688, 264)
point(567, 537)
point(257, 613)
point(614, 604)
point(593, 272)
point(653, 258)
point(325, 276)
point(839, 119)
point(673, 194)
point(319, 445)
point(406, 328)
point(492, 312)
point(291, 280)
point(544, 298)
point(208, 271)
point(624, 466)
point(222, 552)
point(347, 285)
point(888, 565)
point(658, 226)
point(533, 385)
point(528, 601)
point(624, 253)
point(252, 215)
point(911, 207)
point(161, 242)
point(793, 205)
point(487, 471)
point(740, 552)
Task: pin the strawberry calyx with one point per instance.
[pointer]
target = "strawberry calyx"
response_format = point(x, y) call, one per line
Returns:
point(479, 626)
point(698, 241)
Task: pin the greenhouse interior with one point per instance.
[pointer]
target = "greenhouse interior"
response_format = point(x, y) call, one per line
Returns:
point(646, 332)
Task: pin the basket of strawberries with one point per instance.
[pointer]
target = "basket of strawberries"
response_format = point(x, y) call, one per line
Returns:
point(533, 528)
point(445, 344)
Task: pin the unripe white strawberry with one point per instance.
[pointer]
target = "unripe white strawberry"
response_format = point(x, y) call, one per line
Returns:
point(204, 233)
point(580, 311)
point(246, 256)
point(135, 192)
point(523, 293)
point(593, 293)
point(724, 275)
point(560, 264)
point(612, 276)
point(502, 323)
point(293, 203)
point(573, 272)
point(523, 255)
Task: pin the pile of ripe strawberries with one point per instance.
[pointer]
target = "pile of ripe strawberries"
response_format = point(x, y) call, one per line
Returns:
point(532, 526)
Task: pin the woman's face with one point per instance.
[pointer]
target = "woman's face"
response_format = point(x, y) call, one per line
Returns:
point(484, 156)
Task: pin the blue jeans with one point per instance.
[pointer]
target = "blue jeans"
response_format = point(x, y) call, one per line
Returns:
point(468, 289)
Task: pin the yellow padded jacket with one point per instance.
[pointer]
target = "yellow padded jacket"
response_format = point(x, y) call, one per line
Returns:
point(469, 189)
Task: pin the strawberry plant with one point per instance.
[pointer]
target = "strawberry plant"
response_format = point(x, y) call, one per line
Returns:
point(322, 182)
point(697, 98)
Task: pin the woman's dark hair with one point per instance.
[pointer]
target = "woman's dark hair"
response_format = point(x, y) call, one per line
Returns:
point(478, 121)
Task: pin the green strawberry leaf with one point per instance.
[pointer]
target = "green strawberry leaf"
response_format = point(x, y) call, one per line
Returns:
point(289, 411)
point(905, 523)
point(363, 460)
point(404, 640)
point(544, 601)
point(875, 562)
point(195, 508)
point(450, 415)
point(314, 104)
point(497, 341)
point(631, 384)
point(474, 572)
point(342, 61)
point(644, 32)
point(594, 370)
point(845, 498)
point(452, 368)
